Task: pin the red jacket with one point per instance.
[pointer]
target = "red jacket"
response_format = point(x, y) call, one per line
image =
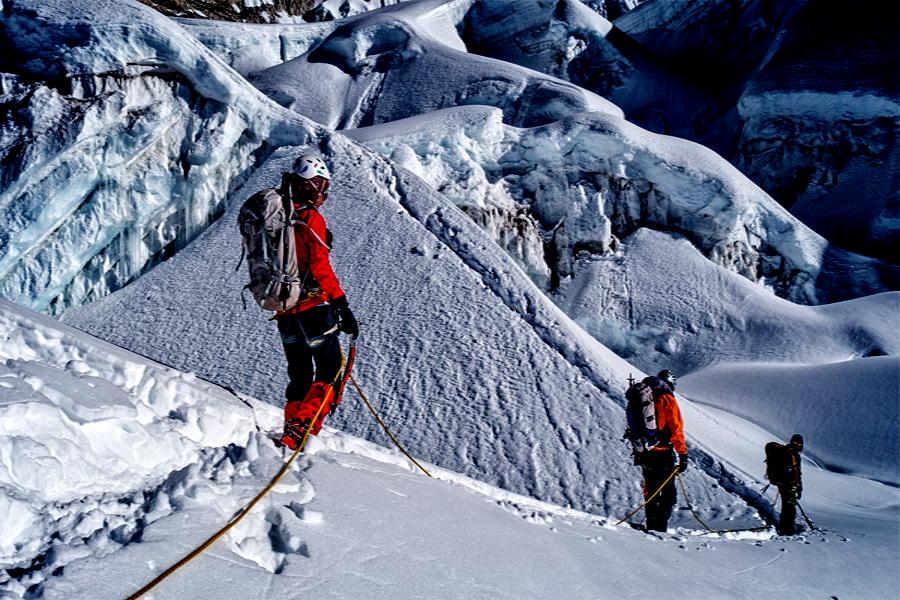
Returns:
point(668, 418)
point(312, 257)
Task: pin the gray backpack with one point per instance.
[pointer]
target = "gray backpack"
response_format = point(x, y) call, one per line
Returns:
point(266, 225)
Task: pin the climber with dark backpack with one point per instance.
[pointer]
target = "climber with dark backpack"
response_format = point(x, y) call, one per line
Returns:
point(287, 246)
point(655, 432)
point(783, 471)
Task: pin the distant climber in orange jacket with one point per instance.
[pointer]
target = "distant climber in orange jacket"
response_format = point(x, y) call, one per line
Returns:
point(309, 329)
point(658, 463)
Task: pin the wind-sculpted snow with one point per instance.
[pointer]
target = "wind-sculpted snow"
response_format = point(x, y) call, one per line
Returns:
point(583, 183)
point(863, 396)
point(658, 303)
point(382, 68)
point(493, 366)
point(92, 441)
point(249, 49)
point(119, 145)
point(351, 519)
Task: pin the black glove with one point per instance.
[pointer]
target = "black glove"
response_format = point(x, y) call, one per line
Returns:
point(346, 321)
point(682, 463)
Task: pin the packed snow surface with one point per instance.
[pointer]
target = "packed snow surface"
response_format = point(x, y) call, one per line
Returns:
point(146, 462)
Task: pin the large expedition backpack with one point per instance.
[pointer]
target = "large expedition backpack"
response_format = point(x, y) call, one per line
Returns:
point(779, 467)
point(267, 229)
point(640, 413)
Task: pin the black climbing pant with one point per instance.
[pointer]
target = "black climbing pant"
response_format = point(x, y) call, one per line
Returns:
point(657, 465)
point(312, 353)
point(787, 520)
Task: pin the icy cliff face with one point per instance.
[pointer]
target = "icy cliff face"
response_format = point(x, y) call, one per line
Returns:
point(579, 186)
point(120, 145)
point(827, 147)
point(745, 79)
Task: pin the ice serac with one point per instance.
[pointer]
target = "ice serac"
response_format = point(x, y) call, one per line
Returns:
point(744, 79)
point(821, 125)
point(582, 184)
point(122, 136)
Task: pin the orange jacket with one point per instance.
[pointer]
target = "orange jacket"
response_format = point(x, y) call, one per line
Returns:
point(312, 258)
point(668, 418)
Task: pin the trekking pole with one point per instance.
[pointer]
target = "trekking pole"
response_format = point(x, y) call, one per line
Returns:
point(808, 520)
point(632, 513)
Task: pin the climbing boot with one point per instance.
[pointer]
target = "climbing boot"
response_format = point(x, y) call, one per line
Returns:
point(294, 432)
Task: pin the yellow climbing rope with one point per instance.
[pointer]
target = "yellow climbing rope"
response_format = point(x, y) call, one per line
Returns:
point(385, 427)
point(707, 527)
point(634, 512)
point(243, 512)
point(234, 521)
point(284, 469)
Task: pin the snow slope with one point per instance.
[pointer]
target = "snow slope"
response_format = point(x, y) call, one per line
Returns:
point(397, 62)
point(493, 366)
point(350, 519)
point(660, 304)
point(476, 367)
point(783, 399)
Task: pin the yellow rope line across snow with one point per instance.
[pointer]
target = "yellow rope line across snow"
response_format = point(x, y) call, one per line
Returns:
point(243, 513)
point(385, 427)
point(646, 502)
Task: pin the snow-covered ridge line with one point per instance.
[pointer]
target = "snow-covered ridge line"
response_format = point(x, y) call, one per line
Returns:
point(250, 49)
point(121, 152)
point(842, 105)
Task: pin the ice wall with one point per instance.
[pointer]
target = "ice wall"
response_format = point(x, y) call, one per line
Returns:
point(119, 144)
point(580, 185)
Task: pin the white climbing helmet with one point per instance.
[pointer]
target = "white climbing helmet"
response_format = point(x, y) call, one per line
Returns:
point(310, 166)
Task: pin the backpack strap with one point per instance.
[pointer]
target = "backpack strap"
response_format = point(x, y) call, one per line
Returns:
point(302, 221)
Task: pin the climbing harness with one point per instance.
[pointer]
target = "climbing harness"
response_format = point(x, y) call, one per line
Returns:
point(634, 512)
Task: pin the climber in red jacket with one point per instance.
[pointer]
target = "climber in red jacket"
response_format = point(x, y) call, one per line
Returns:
point(309, 329)
point(658, 463)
